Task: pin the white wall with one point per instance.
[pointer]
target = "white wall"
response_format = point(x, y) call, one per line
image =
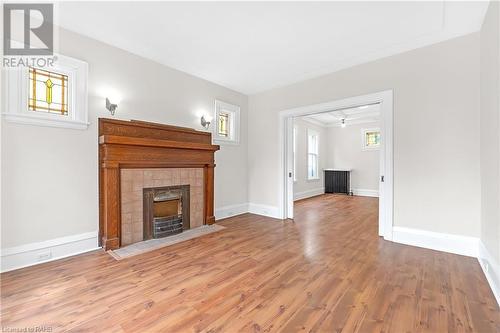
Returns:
point(49, 175)
point(344, 151)
point(490, 138)
point(436, 132)
point(302, 187)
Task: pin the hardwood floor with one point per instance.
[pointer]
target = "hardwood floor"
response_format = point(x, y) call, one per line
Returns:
point(327, 271)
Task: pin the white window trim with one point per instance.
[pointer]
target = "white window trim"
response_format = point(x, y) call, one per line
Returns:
point(16, 93)
point(310, 133)
point(234, 126)
point(363, 136)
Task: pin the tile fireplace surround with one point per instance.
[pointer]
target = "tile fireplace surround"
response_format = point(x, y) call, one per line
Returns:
point(133, 181)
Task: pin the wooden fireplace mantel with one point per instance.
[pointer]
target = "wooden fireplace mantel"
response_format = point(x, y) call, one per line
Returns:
point(139, 144)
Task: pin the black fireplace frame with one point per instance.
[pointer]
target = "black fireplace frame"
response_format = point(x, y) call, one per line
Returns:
point(149, 195)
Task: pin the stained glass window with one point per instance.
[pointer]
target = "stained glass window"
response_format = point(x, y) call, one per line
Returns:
point(48, 91)
point(372, 139)
point(227, 120)
point(223, 127)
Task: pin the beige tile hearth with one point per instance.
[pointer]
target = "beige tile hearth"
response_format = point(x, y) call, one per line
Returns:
point(133, 181)
point(153, 244)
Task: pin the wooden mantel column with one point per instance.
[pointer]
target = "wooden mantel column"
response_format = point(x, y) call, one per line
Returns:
point(209, 194)
point(111, 206)
point(142, 145)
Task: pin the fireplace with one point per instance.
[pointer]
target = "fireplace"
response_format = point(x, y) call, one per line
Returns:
point(136, 155)
point(166, 211)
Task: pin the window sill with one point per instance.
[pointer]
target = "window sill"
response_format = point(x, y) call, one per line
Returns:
point(313, 179)
point(226, 142)
point(45, 121)
point(370, 148)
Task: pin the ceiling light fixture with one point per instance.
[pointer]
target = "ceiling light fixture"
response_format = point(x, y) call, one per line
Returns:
point(343, 123)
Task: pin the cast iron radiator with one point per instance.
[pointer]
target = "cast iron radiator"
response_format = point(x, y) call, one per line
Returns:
point(338, 181)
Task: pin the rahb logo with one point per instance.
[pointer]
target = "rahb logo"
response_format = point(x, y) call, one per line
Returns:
point(28, 29)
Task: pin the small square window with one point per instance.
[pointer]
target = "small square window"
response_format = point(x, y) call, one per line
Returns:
point(53, 96)
point(227, 120)
point(371, 138)
point(223, 122)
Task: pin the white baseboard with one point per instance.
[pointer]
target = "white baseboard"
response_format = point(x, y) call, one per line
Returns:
point(365, 193)
point(491, 269)
point(40, 252)
point(308, 193)
point(232, 210)
point(269, 211)
point(463, 245)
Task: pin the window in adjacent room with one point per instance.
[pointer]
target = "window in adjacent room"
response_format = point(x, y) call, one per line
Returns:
point(295, 154)
point(227, 127)
point(371, 138)
point(312, 155)
point(48, 91)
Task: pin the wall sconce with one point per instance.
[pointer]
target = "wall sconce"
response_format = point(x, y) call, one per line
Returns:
point(111, 107)
point(205, 121)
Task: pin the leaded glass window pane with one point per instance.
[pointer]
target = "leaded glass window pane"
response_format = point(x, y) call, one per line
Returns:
point(48, 91)
point(223, 127)
point(372, 139)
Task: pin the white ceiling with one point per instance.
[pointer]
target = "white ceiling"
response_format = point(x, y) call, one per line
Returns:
point(255, 46)
point(358, 115)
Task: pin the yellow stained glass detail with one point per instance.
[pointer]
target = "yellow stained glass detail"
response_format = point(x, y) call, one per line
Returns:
point(48, 93)
point(223, 124)
point(372, 139)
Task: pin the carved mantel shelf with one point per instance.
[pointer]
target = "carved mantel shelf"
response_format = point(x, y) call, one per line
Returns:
point(138, 144)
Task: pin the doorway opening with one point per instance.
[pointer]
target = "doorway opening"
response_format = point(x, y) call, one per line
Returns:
point(343, 146)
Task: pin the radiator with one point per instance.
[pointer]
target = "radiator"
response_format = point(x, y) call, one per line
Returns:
point(338, 181)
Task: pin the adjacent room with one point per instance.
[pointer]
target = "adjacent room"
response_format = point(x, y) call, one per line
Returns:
point(341, 145)
point(337, 152)
point(250, 166)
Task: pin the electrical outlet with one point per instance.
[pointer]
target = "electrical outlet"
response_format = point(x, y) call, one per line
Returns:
point(42, 256)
